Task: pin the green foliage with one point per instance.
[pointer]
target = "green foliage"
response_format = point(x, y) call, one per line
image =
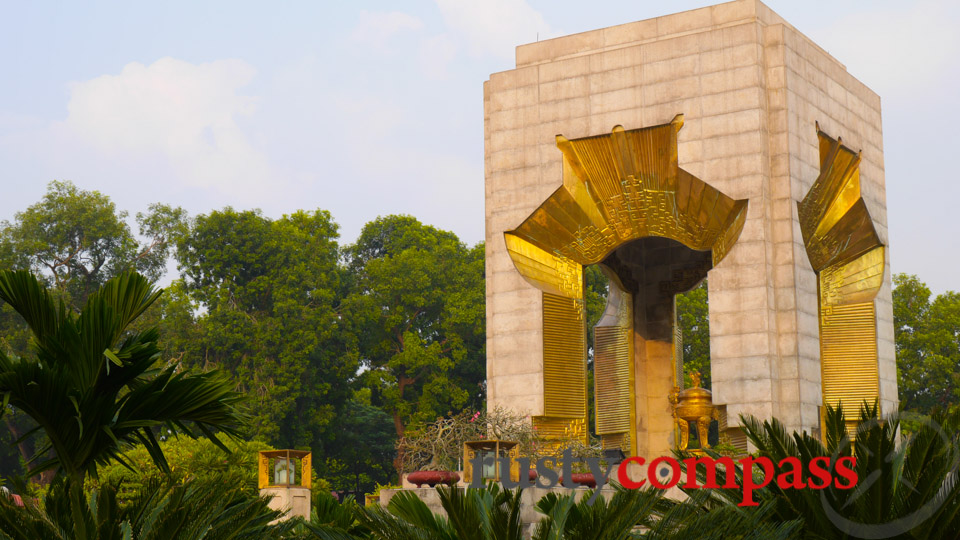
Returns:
point(91, 386)
point(480, 514)
point(193, 511)
point(927, 337)
point(693, 318)
point(269, 291)
point(331, 520)
point(596, 286)
point(615, 519)
point(364, 448)
point(78, 240)
point(595, 299)
point(905, 489)
point(189, 459)
point(702, 518)
point(75, 240)
point(276, 304)
point(416, 303)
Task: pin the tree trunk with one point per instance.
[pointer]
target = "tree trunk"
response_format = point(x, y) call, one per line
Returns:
point(43, 478)
point(398, 425)
point(22, 445)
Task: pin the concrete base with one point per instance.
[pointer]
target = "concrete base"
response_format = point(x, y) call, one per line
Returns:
point(294, 500)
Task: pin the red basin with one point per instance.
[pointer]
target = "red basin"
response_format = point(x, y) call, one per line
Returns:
point(432, 478)
point(584, 479)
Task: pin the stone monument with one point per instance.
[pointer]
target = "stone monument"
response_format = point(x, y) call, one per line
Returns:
point(701, 144)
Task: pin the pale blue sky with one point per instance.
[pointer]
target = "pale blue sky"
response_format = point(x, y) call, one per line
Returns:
point(370, 108)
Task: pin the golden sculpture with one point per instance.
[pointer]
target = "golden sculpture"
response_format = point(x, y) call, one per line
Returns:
point(848, 257)
point(693, 406)
point(617, 188)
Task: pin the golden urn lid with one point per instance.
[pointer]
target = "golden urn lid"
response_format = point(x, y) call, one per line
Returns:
point(695, 395)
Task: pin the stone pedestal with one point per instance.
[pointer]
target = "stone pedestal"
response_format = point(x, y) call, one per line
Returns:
point(294, 500)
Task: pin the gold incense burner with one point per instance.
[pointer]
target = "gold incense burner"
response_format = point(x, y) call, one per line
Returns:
point(693, 406)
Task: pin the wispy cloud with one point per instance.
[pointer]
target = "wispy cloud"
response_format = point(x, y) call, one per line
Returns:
point(185, 113)
point(436, 53)
point(376, 28)
point(900, 48)
point(494, 27)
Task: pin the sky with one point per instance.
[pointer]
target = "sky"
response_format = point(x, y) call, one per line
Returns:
point(375, 108)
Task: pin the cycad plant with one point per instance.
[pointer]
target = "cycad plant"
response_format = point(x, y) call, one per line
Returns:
point(92, 385)
point(626, 515)
point(704, 518)
point(907, 485)
point(491, 513)
point(333, 520)
point(209, 510)
point(472, 514)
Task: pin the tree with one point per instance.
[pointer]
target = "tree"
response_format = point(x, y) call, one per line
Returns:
point(693, 318)
point(927, 337)
point(595, 290)
point(77, 240)
point(268, 291)
point(595, 287)
point(417, 303)
point(361, 454)
point(91, 386)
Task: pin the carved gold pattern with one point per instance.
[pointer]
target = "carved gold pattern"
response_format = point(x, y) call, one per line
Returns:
point(846, 252)
point(306, 462)
point(616, 188)
point(621, 187)
point(263, 471)
point(560, 429)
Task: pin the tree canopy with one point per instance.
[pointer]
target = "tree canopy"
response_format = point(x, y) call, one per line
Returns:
point(693, 318)
point(78, 240)
point(267, 295)
point(417, 303)
point(341, 348)
point(927, 337)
